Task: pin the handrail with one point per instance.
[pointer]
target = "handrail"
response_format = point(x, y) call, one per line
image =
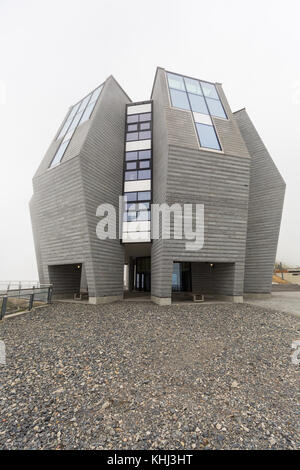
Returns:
point(34, 291)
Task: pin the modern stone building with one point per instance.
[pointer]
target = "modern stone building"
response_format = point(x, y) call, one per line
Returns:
point(183, 146)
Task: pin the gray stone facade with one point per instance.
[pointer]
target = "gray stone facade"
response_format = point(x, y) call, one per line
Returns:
point(239, 186)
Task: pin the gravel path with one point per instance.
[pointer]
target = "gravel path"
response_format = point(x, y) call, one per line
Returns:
point(137, 376)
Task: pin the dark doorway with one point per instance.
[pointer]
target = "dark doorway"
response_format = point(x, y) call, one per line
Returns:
point(181, 277)
point(66, 279)
point(143, 274)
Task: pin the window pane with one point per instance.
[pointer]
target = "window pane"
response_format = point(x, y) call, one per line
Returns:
point(193, 86)
point(209, 90)
point(144, 126)
point(131, 156)
point(179, 99)
point(84, 102)
point(144, 135)
point(144, 195)
point(129, 216)
point(68, 121)
point(64, 129)
point(143, 215)
point(176, 81)
point(130, 196)
point(131, 206)
point(132, 127)
point(131, 166)
point(68, 135)
point(60, 152)
point(198, 104)
point(216, 108)
point(130, 175)
point(133, 118)
point(145, 164)
point(74, 111)
point(207, 136)
point(87, 113)
point(144, 174)
point(143, 154)
point(132, 136)
point(75, 121)
point(143, 206)
point(96, 94)
point(145, 117)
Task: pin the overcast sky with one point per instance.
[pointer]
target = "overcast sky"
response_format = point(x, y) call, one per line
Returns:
point(54, 52)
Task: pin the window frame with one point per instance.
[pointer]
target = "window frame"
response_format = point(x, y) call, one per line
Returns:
point(140, 158)
point(137, 171)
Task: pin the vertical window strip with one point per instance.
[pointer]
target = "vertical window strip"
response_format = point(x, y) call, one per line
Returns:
point(139, 173)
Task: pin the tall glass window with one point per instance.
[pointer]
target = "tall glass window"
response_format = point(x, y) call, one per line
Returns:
point(78, 114)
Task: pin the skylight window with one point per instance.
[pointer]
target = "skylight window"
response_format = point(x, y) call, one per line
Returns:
point(78, 114)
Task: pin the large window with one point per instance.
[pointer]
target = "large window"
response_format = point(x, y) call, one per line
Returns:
point(201, 98)
point(78, 114)
point(181, 89)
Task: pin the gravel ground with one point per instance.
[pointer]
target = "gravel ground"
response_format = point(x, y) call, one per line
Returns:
point(137, 376)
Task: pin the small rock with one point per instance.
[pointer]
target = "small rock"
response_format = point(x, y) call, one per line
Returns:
point(105, 405)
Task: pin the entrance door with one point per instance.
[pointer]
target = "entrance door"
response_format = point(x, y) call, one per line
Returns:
point(143, 274)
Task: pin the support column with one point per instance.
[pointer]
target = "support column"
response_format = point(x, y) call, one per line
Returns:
point(228, 279)
point(161, 275)
point(106, 279)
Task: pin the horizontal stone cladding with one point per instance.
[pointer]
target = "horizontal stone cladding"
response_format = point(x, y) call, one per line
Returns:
point(221, 184)
point(181, 129)
point(59, 217)
point(184, 173)
point(210, 278)
point(161, 268)
point(228, 130)
point(66, 198)
point(102, 159)
point(267, 189)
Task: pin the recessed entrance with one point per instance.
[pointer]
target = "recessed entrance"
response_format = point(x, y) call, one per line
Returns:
point(142, 281)
point(67, 280)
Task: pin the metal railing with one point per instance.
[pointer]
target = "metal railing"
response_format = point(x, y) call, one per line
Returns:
point(20, 299)
point(9, 285)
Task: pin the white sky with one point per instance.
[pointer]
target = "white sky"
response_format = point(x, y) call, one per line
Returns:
point(54, 52)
